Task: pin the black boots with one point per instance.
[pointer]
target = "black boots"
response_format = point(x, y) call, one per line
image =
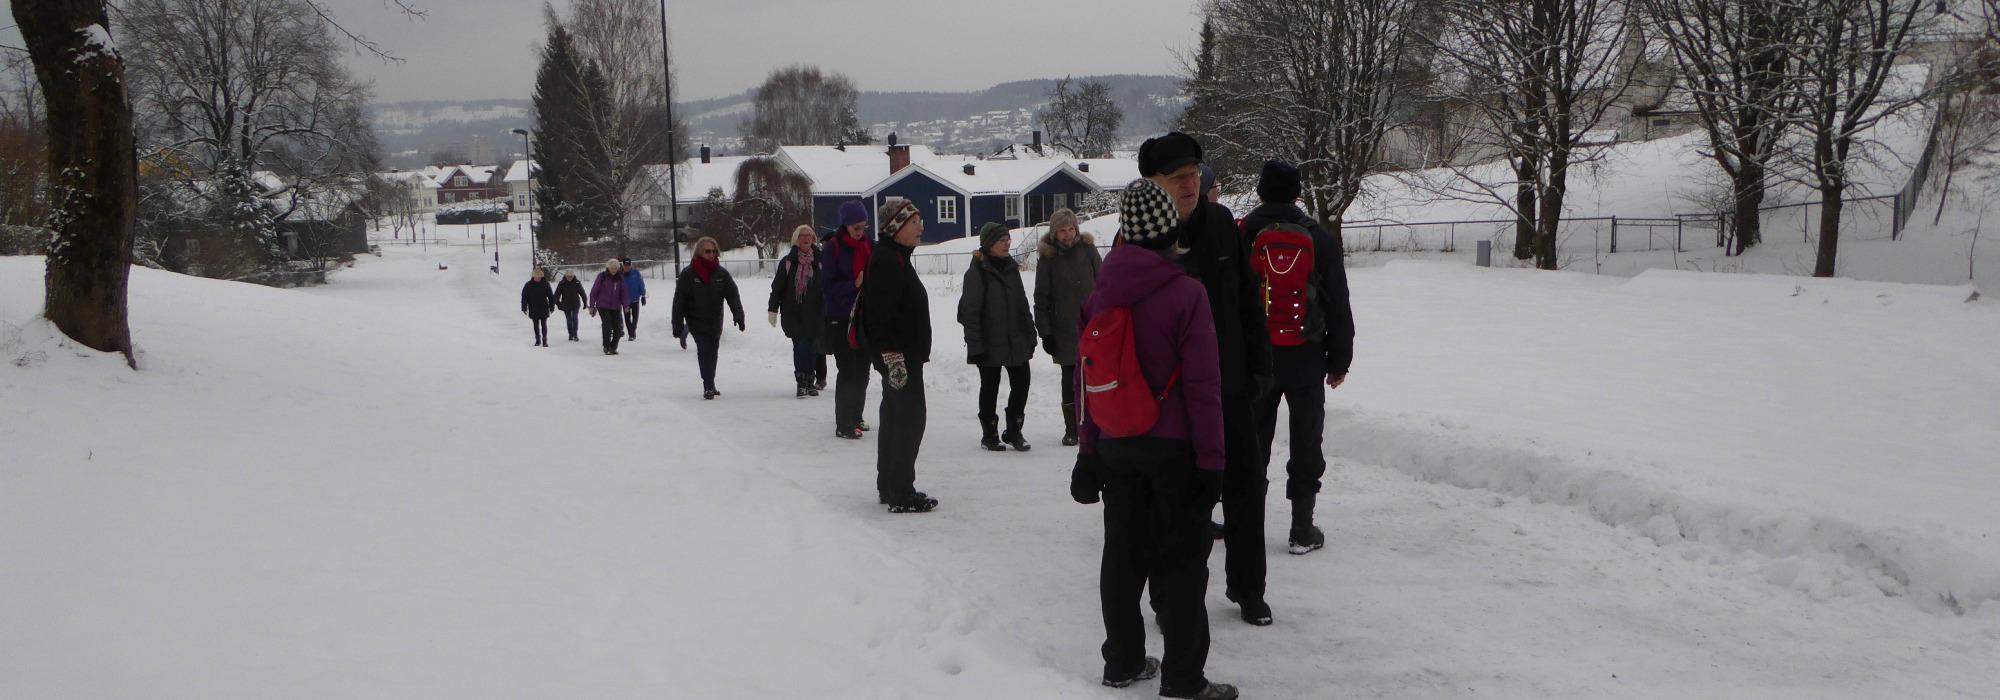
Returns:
point(804, 382)
point(989, 433)
point(1013, 436)
point(1069, 425)
point(1305, 537)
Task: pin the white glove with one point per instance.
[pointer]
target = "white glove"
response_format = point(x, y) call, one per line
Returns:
point(773, 316)
point(899, 373)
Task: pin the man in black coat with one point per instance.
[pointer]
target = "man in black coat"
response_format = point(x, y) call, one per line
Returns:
point(1217, 255)
point(896, 320)
point(1323, 359)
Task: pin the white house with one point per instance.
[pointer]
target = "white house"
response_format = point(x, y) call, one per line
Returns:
point(417, 188)
point(520, 182)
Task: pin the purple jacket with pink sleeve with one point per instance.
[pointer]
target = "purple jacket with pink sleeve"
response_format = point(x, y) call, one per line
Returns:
point(1172, 329)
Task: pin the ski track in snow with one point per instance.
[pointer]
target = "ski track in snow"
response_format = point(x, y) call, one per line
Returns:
point(548, 522)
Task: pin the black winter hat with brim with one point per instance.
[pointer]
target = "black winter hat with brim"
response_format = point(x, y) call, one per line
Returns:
point(991, 233)
point(1280, 182)
point(1165, 154)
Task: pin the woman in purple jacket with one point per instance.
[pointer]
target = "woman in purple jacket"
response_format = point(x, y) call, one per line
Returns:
point(607, 303)
point(1158, 488)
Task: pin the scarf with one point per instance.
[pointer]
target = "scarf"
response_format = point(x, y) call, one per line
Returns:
point(862, 250)
point(803, 270)
point(704, 267)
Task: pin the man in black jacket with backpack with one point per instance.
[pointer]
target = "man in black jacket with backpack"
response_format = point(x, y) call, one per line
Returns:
point(1215, 252)
point(1318, 357)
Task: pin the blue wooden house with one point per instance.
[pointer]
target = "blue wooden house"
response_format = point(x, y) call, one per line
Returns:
point(957, 198)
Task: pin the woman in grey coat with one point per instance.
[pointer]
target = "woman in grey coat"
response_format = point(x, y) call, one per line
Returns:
point(1064, 277)
point(999, 334)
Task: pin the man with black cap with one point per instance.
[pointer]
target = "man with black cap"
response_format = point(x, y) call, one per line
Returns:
point(1321, 356)
point(1217, 255)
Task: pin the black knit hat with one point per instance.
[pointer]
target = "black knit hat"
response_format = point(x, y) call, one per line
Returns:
point(1279, 183)
point(1147, 217)
point(1165, 154)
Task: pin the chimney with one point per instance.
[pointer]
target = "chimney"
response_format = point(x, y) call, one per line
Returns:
point(969, 169)
point(1038, 142)
point(1083, 167)
point(899, 158)
point(704, 155)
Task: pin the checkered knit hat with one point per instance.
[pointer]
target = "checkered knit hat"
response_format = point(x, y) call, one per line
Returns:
point(1147, 217)
point(895, 212)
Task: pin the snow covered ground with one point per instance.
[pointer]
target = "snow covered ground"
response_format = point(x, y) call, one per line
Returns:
point(1543, 485)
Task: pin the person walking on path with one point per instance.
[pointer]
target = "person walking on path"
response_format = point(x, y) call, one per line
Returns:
point(537, 300)
point(607, 303)
point(570, 297)
point(796, 302)
point(1158, 482)
point(1064, 276)
point(843, 262)
point(896, 319)
point(699, 294)
point(1317, 359)
point(635, 297)
point(1218, 255)
point(999, 334)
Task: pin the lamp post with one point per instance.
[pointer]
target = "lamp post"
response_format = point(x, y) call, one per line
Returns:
point(528, 154)
point(673, 161)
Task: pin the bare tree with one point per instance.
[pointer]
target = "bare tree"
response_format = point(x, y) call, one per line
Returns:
point(1847, 58)
point(23, 144)
point(1734, 63)
point(1083, 121)
point(95, 167)
point(1538, 76)
point(621, 38)
point(235, 88)
point(801, 106)
point(1314, 82)
point(770, 201)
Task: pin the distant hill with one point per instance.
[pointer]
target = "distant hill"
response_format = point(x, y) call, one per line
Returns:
point(966, 122)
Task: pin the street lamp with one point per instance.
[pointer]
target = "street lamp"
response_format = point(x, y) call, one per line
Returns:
point(673, 161)
point(528, 154)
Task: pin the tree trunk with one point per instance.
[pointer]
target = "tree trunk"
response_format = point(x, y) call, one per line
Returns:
point(1551, 211)
point(1525, 173)
point(1829, 228)
point(1745, 216)
point(93, 169)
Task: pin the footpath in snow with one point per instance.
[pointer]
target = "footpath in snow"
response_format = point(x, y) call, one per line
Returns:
point(1544, 485)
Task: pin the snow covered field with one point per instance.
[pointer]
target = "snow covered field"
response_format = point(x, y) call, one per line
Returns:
point(1543, 485)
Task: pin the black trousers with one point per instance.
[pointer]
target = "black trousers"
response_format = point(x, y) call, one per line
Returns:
point(541, 328)
point(1068, 384)
point(706, 348)
point(1243, 489)
point(1307, 405)
point(850, 384)
point(1017, 391)
point(569, 316)
point(899, 432)
point(614, 327)
point(632, 320)
point(1155, 532)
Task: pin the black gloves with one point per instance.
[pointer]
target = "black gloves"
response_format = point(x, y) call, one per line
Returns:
point(1086, 479)
point(684, 339)
point(1211, 484)
point(739, 325)
point(978, 359)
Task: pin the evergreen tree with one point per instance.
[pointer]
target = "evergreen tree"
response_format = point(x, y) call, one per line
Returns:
point(571, 164)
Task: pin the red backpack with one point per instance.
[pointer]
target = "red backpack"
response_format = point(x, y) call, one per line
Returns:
point(1116, 395)
point(1283, 256)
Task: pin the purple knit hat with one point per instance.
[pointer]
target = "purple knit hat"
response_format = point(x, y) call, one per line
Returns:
point(853, 212)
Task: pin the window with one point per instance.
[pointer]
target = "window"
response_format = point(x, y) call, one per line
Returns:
point(1663, 122)
point(460, 181)
point(1013, 208)
point(947, 210)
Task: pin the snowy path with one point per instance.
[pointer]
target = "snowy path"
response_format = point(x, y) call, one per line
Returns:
point(474, 517)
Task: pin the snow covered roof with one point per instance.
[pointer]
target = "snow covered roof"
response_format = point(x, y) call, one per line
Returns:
point(409, 178)
point(695, 179)
point(480, 174)
point(1110, 174)
point(850, 171)
point(987, 177)
point(521, 171)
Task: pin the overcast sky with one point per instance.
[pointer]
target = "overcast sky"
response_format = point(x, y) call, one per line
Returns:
point(473, 49)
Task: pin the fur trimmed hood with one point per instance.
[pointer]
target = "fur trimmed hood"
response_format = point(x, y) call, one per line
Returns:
point(1047, 247)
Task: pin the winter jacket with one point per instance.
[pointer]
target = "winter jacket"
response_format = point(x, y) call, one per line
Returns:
point(1329, 348)
point(895, 308)
point(1172, 329)
point(801, 315)
point(836, 276)
point(1063, 278)
point(570, 295)
point(607, 292)
point(999, 330)
point(1219, 256)
point(536, 299)
point(635, 286)
point(698, 304)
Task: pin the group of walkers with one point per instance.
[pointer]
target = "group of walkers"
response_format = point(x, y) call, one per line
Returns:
point(1176, 350)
